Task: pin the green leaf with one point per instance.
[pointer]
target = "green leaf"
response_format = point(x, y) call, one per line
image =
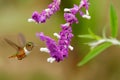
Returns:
point(94, 35)
point(104, 32)
point(113, 21)
point(93, 53)
point(86, 36)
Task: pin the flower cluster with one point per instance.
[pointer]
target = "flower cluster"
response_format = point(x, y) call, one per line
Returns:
point(59, 50)
point(45, 14)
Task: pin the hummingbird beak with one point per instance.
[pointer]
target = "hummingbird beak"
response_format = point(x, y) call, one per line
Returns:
point(35, 45)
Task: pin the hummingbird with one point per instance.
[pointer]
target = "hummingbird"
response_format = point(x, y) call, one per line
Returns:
point(22, 51)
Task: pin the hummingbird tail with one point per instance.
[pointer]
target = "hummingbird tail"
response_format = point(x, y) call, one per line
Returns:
point(12, 56)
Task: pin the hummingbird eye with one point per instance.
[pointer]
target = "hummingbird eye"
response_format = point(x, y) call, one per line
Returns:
point(29, 44)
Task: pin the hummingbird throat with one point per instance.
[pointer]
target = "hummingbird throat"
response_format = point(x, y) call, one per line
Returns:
point(26, 51)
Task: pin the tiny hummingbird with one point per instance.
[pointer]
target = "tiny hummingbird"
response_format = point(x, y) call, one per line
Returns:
point(22, 51)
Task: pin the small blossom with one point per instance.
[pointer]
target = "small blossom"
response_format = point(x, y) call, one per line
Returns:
point(85, 4)
point(75, 9)
point(70, 47)
point(66, 10)
point(35, 17)
point(57, 35)
point(44, 50)
point(70, 18)
point(51, 59)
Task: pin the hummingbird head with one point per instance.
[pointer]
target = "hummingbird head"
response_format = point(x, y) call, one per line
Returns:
point(29, 46)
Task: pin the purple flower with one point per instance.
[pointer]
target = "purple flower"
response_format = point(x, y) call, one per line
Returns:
point(70, 18)
point(85, 4)
point(45, 14)
point(74, 10)
point(58, 51)
point(36, 16)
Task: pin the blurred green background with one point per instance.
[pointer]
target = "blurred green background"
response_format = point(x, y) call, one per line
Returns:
point(13, 20)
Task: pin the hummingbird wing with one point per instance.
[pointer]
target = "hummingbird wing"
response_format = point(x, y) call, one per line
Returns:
point(12, 44)
point(21, 39)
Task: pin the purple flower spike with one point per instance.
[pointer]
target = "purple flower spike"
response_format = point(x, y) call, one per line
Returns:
point(58, 51)
point(45, 14)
